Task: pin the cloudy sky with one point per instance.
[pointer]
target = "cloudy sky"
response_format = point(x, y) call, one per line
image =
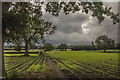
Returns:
point(79, 28)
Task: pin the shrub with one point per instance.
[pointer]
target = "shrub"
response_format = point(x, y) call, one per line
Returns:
point(62, 47)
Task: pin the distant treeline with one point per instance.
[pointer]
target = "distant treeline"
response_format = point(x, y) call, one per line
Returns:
point(63, 47)
point(87, 47)
point(82, 47)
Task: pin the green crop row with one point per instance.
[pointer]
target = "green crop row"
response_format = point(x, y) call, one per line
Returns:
point(26, 65)
point(92, 64)
point(13, 62)
point(93, 72)
point(35, 68)
point(17, 62)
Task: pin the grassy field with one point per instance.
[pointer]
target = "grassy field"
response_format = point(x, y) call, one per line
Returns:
point(81, 64)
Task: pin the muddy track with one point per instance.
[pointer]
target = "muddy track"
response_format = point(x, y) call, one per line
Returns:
point(69, 73)
point(56, 71)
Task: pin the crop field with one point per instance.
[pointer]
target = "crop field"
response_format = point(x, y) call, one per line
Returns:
point(87, 64)
point(80, 64)
point(25, 64)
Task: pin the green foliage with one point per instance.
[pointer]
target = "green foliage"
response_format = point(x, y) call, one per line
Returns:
point(104, 42)
point(48, 47)
point(62, 47)
point(28, 22)
point(31, 28)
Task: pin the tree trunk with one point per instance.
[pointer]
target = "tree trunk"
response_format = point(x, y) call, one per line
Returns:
point(5, 6)
point(26, 48)
point(4, 74)
point(4, 9)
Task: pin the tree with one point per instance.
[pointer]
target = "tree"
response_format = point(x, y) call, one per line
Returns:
point(104, 42)
point(118, 45)
point(62, 47)
point(48, 47)
point(31, 27)
point(5, 7)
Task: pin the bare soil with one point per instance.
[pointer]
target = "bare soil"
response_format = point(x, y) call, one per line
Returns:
point(55, 72)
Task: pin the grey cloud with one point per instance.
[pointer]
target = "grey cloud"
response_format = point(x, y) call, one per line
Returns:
point(77, 17)
point(70, 29)
point(67, 23)
point(71, 23)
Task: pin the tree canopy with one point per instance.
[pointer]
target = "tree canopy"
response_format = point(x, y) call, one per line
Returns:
point(31, 28)
point(97, 8)
point(48, 46)
point(104, 42)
